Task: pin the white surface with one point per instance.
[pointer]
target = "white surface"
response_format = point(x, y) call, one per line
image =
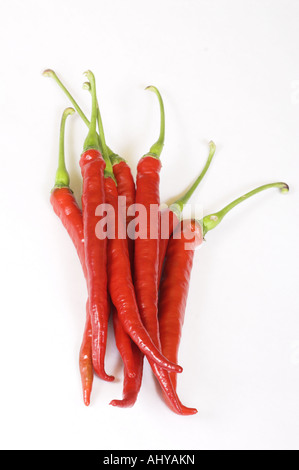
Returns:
point(228, 71)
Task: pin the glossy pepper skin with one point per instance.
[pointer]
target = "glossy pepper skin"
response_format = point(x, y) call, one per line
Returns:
point(168, 219)
point(133, 365)
point(177, 270)
point(131, 355)
point(175, 286)
point(146, 264)
point(121, 288)
point(171, 216)
point(126, 188)
point(146, 271)
point(120, 282)
point(124, 345)
point(93, 194)
point(66, 208)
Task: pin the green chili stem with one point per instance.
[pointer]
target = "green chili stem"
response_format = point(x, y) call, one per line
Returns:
point(62, 178)
point(157, 147)
point(92, 141)
point(102, 134)
point(106, 151)
point(211, 221)
point(86, 86)
point(177, 206)
point(50, 73)
point(115, 159)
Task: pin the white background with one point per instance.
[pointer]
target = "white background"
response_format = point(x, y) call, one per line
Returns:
point(228, 71)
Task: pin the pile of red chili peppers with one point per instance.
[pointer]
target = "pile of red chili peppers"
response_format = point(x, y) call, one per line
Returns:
point(137, 267)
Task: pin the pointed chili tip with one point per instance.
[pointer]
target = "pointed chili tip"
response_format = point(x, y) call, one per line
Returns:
point(124, 403)
point(189, 411)
point(132, 375)
point(86, 400)
point(108, 378)
point(48, 73)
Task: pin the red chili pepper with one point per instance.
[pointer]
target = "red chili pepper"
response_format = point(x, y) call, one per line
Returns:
point(122, 294)
point(146, 267)
point(93, 195)
point(131, 355)
point(146, 263)
point(121, 170)
point(171, 216)
point(133, 365)
point(125, 188)
point(177, 271)
point(66, 208)
point(174, 289)
point(120, 283)
point(85, 359)
point(131, 323)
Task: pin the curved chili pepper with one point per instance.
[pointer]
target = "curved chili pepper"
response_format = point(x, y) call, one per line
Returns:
point(132, 322)
point(171, 216)
point(121, 170)
point(125, 188)
point(122, 291)
point(174, 289)
point(146, 266)
point(120, 283)
point(131, 355)
point(123, 343)
point(133, 365)
point(177, 272)
point(92, 167)
point(66, 208)
point(146, 263)
point(85, 359)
